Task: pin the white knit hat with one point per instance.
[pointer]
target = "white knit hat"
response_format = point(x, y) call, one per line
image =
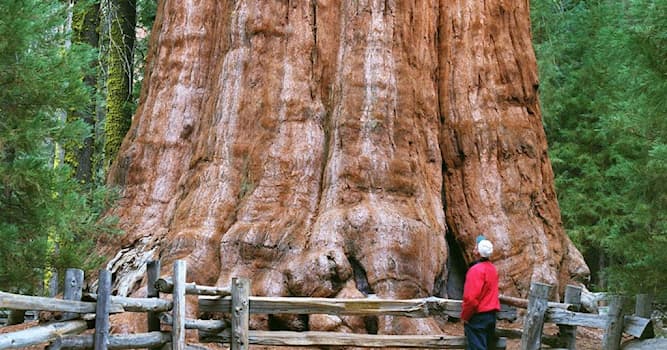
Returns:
point(485, 248)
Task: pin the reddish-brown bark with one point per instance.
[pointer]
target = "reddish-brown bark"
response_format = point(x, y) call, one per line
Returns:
point(325, 148)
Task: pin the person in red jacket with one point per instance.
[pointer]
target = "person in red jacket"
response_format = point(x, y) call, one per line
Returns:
point(480, 299)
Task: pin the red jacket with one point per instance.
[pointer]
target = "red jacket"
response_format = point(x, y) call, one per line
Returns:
point(480, 292)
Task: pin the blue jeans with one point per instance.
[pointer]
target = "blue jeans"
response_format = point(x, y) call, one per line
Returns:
point(480, 331)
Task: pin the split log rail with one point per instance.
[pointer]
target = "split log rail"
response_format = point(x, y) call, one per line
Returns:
point(236, 301)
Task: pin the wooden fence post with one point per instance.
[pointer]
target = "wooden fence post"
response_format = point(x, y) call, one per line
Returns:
point(102, 310)
point(644, 309)
point(73, 289)
point(15, 317)
point(534, 320)
point(568, 334)
point(178, 326)
point(614, 328)
point(152, 275)
point(240, 313)
point(644, 305)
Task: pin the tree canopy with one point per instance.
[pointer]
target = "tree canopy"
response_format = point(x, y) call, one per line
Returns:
point(603, 78)
point(48, 220)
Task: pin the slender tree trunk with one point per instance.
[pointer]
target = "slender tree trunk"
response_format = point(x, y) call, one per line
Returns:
point(324, 149)
point(85, 30)
point(121, 17)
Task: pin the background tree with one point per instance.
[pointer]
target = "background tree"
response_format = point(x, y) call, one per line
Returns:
point(603, 82)
point(121, 18)
point(85, 30)
point(39, 82)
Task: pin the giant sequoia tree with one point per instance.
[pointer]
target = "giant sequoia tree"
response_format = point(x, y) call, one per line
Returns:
point(328, 148)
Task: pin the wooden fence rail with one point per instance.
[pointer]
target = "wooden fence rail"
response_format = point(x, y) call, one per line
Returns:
point(416, 308)
point(79, 309)
point(311, 338)
point(166, 285)
point(41, 334)
point(124, 341)
point(22, 302)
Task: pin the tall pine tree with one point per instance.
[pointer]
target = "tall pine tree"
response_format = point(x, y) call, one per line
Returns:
point(603, 78)
point(85, 30)
point(39, 202)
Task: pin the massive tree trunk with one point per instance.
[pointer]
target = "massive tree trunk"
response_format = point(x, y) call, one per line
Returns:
point(327, 148)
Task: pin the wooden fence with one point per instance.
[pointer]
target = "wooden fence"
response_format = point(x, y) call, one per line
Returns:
point(238, 304)
point(567, 317)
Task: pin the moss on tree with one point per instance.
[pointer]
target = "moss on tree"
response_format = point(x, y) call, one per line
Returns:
point(122, 16)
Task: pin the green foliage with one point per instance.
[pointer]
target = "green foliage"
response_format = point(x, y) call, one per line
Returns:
point(41, 206)
point(603, 72)
point(146, 11)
